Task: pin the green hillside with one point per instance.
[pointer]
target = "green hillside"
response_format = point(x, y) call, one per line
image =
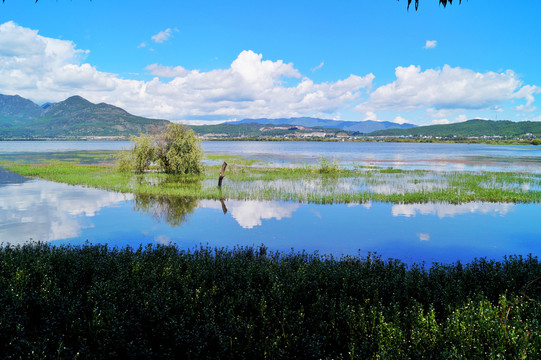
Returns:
point(73, 117)
point(17, 111)
point(470, 128)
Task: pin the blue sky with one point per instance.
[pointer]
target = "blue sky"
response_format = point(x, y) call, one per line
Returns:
point(218, 60)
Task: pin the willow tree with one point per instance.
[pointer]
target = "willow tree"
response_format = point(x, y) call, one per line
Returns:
point(178, 151)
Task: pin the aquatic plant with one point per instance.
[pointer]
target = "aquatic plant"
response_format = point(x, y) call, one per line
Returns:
point(328, 167)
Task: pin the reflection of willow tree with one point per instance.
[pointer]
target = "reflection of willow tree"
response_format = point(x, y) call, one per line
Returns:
point(172, 209)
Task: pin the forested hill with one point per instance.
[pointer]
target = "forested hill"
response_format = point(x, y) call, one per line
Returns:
point(353, 126)
point(74, 117)
point(470, 128)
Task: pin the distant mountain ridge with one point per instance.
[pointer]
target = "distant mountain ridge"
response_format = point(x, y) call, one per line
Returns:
point(366, 126)
point(73, 117)
point(15, 110)
point(470, 128)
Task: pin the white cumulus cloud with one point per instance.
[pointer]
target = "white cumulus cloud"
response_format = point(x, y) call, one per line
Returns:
point(440, 122)
point(400, 120)
point(447, 88)
point(166, 71)
point(45, 69)
point(370, 115)
point(162, 36)
point(461, 118)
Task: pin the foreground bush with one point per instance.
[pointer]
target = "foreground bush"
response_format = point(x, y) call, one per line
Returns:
point(97, 302)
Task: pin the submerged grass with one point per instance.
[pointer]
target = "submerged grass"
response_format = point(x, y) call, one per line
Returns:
point(95, 302)
point(326, 183)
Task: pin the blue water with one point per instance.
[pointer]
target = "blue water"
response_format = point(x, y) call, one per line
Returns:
point(423, 156)
point(37, 210)
point(441, 157)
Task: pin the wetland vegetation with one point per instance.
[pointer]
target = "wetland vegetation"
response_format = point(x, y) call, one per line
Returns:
point(159, 302)
point(95, 301)
point(325, 182)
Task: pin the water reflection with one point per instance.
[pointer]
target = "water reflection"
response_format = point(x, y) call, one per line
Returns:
point(250, 213)
point(425, 156)
point(45, 211)
point(171, 209)
point(443, 210)
point(8, 178)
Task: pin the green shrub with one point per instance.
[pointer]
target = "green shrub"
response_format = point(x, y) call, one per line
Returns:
point(94, 302)
point(178, 151)
point(143, 152)
point(125, 161)
point(536, 142)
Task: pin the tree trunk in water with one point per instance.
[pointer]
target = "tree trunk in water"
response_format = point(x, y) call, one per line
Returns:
point(222, 174)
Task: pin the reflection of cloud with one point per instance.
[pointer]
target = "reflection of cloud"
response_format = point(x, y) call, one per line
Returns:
point(424, 237)
point(450, 210)
point(249, 213)
point(162, 239)
point(46, 211)
point(316, 213)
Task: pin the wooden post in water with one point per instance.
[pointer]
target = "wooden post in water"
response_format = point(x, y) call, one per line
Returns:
point(224, 208)
point(222, 174)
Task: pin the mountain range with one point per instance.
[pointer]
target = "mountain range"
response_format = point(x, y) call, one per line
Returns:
point(364, 127)
point(74, 117)
point(77, 117)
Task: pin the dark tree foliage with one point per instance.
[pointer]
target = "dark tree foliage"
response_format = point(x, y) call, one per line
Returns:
point(442, 2)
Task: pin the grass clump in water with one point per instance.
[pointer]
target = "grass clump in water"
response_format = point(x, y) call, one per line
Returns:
point(328, 167)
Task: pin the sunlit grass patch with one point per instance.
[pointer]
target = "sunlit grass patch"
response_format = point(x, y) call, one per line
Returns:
point(304, 184)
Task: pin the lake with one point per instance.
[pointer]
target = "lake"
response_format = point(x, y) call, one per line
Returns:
point(428, 156)
point(37, 210)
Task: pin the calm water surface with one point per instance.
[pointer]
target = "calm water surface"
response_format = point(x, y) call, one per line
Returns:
point(37, 210)
point(427, 156)
point(441, 157)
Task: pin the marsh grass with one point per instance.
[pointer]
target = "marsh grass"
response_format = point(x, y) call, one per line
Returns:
point(304, 184)
point(103, 157)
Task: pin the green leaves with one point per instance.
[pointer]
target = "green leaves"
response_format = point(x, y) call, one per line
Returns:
point(163, 302)
point(176, 151)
